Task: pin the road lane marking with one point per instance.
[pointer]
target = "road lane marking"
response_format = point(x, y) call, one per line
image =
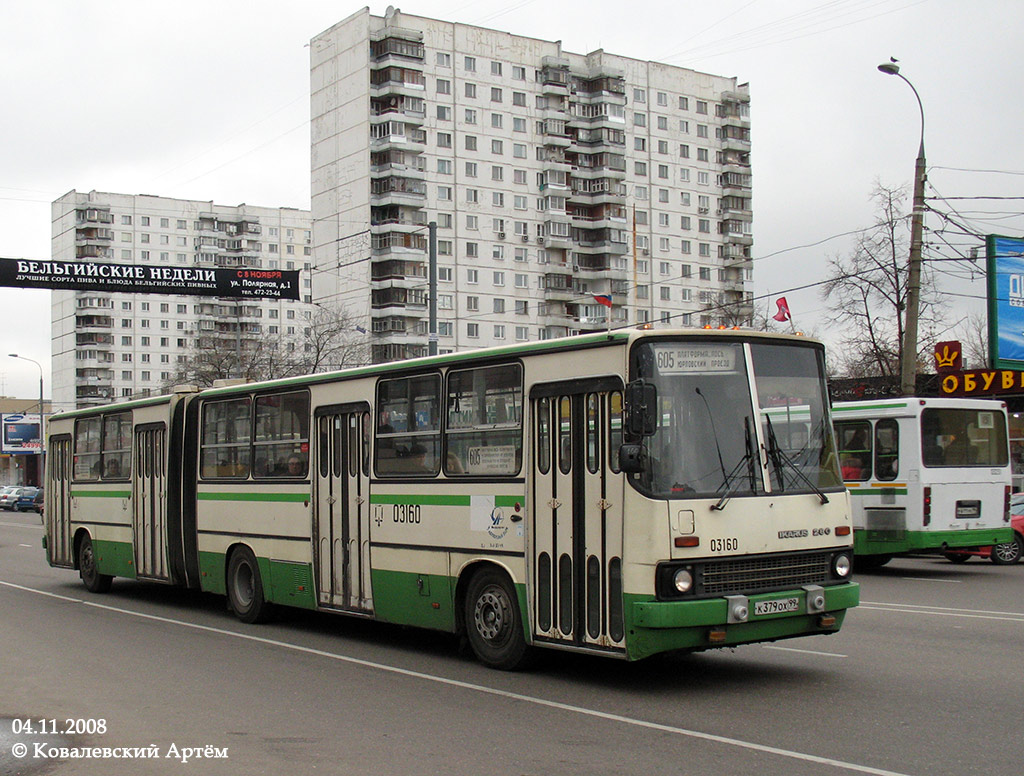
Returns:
point(483, 689)
point(26, 545)
point(805, 651)
point(934, 579)
point(941, 611)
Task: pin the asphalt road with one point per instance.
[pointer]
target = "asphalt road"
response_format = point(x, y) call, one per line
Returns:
point(925, 678)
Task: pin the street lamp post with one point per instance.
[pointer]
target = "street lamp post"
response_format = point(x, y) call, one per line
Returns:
point(42, 429)
point(908, 350)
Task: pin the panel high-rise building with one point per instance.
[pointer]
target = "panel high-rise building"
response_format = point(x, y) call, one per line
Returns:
point(109, 346)
point(559, 182)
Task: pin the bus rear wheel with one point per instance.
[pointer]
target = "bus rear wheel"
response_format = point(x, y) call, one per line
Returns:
point(245, 587)
point(494, 623)
point(1008, 553)
point(94, 581)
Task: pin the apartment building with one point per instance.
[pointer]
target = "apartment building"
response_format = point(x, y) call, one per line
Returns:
point(109, 346)
point(560, 183)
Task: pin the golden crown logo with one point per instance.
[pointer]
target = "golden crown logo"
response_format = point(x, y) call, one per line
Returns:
point(946, 358)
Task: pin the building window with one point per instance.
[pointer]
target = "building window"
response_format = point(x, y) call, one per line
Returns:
point(495, 68)
point(470, 64)
point(444, 113)
point(444, 86)
point(495, 94)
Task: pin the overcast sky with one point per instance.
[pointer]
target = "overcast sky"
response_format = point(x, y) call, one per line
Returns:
point(209, 100)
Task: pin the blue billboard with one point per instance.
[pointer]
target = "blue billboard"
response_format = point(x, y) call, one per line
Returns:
point(1005, 261)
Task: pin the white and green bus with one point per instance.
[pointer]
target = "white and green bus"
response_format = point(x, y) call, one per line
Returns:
point(623, 494)
point(925, 474)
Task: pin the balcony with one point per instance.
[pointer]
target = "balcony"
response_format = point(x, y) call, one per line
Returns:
point(91, 234)
point(93, 252)
point(92, 215)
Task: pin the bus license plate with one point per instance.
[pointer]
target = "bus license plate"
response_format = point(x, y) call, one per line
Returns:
point(777, 606)
point(968, 510)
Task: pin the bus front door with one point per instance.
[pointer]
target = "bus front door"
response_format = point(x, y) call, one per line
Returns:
point(149, 502)
point(342, 517)
point(57, 513)
point(577, 514)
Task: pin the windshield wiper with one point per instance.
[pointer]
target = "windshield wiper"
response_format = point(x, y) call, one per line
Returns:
point(778, 458)
point(732, 477)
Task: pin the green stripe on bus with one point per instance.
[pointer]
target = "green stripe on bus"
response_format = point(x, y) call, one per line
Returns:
point(208, 496)
point(878, 491)
point(441, 500)
point(886, 406)
point(101, 494)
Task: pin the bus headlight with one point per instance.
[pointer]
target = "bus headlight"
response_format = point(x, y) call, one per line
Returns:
point(682, 580)
point(842, 566)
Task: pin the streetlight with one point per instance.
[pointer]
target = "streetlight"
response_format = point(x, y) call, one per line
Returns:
point(42, 434)
point(908, 352)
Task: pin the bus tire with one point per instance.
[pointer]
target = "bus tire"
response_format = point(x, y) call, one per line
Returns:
point(1008, 553)
point(94, 581)
point(245, 587)
point(494, 623)
point(956, 557)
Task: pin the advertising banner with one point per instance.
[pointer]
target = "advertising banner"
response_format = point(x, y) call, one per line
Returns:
point(1005, 261)
point(20, 433)
point(148, 279)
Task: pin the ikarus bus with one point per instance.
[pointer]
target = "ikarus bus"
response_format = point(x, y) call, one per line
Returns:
point(623, 494)
point(925, 474)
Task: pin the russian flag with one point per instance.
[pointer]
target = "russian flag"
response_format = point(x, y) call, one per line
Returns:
point(605, 299)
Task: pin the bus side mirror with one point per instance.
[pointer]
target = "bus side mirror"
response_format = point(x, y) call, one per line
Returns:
point(632, 459)
point(641, 408)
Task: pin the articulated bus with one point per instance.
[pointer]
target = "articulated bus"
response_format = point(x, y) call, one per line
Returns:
point(622, 493)
point(925, 475)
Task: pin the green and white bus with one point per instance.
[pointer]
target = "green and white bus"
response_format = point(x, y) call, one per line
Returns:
point(925, 474)
point(622, 493)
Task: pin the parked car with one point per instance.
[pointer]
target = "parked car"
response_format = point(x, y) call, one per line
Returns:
point(26, 500)
point(9, 495)
point(37, 502)
point(1002, 554)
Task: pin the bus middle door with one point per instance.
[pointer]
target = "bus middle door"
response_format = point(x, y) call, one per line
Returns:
point(342, 515)
point(149, 504)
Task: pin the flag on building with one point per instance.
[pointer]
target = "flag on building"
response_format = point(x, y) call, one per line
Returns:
point(360, 329)
point(783, 313)
point(605, 299)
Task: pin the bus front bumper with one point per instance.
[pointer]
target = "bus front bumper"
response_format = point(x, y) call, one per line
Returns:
point(659, 626)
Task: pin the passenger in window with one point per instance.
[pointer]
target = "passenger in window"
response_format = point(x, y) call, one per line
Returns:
point(296, 465)
point(113, 468)
point(418, 459)
point(851, 468)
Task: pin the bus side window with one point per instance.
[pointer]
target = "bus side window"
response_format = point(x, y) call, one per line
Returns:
point(854, 449)
point(887, 445)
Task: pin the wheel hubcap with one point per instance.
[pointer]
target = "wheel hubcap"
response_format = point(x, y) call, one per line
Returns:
point(243, 584)
point(491, 615)
point(1006, 552)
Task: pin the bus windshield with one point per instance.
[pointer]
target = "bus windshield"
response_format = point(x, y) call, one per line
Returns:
point(715, 399)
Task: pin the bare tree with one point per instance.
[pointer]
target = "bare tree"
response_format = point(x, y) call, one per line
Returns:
point(866, 293)
point(329, 339)
point(973, 335)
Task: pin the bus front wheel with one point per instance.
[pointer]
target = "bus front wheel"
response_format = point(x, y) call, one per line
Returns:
point(493, 620)
point(245, 587)
point(94, 581)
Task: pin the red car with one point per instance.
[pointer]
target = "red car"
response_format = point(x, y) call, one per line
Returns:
point(1003, 554)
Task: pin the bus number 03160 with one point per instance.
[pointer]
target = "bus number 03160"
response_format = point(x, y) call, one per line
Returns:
point(725, 545)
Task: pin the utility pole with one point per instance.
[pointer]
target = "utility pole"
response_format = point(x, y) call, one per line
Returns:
point(432, 288)
point(908, 350)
